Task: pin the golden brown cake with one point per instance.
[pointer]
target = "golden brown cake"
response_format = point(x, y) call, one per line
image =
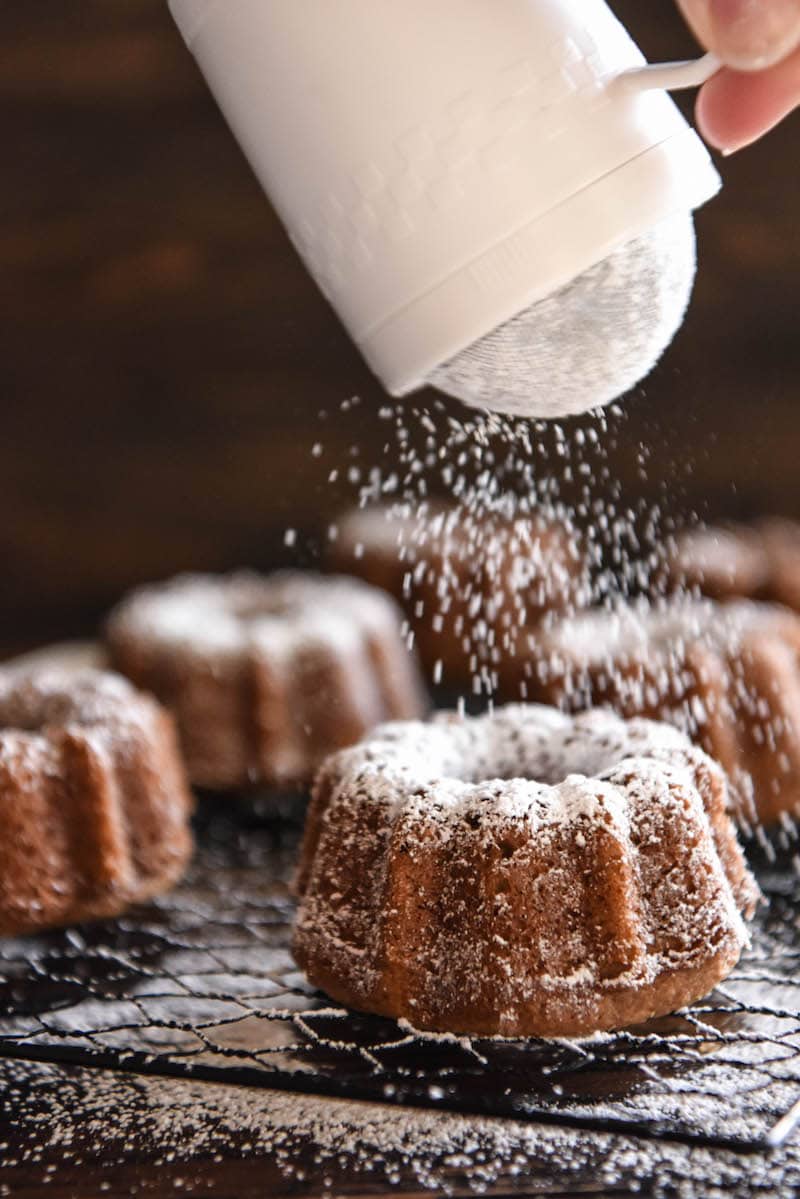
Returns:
point(758, 561)
point(475, 586)
point(94, 804)
point(726, 674)
point(524, 873)
point(266, 675)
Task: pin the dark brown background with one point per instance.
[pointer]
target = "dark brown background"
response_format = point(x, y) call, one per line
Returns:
point(163, 356)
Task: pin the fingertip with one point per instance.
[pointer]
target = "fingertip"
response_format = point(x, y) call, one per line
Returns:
point(750, 35)
point(736, 108)
point(747, 35)
point(711, 118)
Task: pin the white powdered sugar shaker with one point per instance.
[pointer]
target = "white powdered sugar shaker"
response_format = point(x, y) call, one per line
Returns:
point(445, 167)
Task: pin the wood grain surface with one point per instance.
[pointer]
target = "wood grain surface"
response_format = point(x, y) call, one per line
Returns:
point(164, 357)
point(187, 1142)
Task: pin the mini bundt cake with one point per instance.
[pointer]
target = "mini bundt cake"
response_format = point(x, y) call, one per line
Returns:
point(475, 586)
point(727, 675)
point(759, 561)
point(523, 873)
point(266, 675)
point(94, 804)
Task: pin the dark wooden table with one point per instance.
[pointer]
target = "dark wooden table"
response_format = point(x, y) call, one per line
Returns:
point(80, 1134)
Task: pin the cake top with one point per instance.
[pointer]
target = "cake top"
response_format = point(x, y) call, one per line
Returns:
point(738, 559)
point(642, 628)
point(722, 555)
point(42, 700)
point(435, 526)
point(532, 762)
point(225, 613)
point(63, 655)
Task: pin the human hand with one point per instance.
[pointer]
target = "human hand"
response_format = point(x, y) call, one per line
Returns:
point(759, 43)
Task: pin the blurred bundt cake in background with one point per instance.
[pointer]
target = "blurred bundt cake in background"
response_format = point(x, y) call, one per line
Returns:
point(726, 674)
point(475, 586)
point(756, 561)
point(266, 675)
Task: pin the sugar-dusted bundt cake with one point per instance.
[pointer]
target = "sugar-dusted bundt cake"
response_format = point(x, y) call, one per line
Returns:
point(758, 561)
point(524, 873)
point(475, 586)
point(266, 675)
point(94, 804)
point(728, 675)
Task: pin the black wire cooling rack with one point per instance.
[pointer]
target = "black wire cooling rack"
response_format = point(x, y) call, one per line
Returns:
point(202, 984)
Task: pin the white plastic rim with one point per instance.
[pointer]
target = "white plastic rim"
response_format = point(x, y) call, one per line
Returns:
point(441, 167)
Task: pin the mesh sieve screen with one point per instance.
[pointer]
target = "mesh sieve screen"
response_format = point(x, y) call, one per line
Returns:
point(590, 342)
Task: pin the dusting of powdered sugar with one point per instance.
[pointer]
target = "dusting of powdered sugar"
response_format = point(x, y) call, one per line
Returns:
point(190, 1131)
point(40, 698)
point(488, 529)
point(664, 626)
point(64, 655)
point(209, 614)
point(533, 746)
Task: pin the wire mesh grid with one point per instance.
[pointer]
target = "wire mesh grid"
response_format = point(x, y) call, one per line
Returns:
point(202, 984)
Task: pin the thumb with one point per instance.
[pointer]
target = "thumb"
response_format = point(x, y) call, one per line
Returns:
point(749, 35)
